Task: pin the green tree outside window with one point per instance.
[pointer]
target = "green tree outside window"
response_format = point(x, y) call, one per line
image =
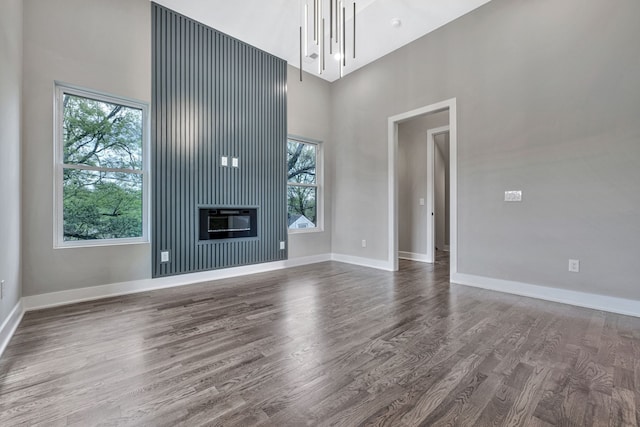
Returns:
point(302, 190)
point(102, 169)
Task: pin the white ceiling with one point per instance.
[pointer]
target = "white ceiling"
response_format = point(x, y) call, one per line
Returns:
point(273, 25)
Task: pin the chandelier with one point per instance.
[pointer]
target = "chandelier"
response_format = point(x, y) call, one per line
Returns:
point(323, 31)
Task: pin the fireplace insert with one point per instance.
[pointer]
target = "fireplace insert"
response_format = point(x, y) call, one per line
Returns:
point(228, 223)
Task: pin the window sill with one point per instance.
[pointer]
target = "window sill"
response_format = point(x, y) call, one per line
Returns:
point(101, 243)
point(305, 230)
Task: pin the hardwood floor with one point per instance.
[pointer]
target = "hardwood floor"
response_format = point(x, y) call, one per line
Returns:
point(326, 344)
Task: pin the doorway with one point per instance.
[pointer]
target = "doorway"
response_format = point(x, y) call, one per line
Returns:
point(448, 106)
point(438, 185)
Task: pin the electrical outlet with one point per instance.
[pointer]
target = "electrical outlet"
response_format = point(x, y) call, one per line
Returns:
point(421, 202)
point(164, 256)
point(364, 243)
point(282, 245)
point(574, 265)
point(234, 162)
point(224, 161)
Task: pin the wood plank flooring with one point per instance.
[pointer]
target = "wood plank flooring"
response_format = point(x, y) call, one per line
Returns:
point(326, 344)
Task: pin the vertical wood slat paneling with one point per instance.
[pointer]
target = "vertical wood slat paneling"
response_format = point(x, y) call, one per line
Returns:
point(212, 96)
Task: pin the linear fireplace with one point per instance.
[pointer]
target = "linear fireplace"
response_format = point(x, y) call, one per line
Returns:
point(228, 223)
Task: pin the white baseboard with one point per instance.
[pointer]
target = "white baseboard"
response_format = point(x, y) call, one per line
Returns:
point(306, 260)
point(581, 299)
point(413, 256)
point(54, 299)
point(10, 325)
point(364, 262)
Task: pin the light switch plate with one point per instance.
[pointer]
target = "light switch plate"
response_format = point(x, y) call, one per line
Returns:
point(224, 161)
point(513, 196)
point(164, 256)
point(282, 245)
point(234, 162)
point(421, 202)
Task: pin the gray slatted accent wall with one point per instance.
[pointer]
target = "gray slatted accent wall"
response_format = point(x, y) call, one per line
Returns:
point(213, 95)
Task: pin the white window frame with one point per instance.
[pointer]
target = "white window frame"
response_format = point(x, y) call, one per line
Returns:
point(319, 185)
point(60, 89)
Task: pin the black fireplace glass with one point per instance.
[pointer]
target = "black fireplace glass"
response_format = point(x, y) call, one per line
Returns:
point(227, 223)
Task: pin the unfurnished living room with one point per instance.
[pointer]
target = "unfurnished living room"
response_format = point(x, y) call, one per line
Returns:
point(320, 212)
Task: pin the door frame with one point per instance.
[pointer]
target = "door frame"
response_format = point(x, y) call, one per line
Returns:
point(392, 138)
point(431, 176)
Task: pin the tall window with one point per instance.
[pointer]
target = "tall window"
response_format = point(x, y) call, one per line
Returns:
point(304, 191)
point(100, 169)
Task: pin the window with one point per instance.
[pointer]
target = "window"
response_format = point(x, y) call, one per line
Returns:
point(100, 185)
point(304, 194)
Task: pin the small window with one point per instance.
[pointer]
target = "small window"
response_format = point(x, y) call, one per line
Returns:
point(304, 190)
point(101, 169)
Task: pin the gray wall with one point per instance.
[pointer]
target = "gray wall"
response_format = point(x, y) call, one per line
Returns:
point(98, 44)
point(215, 96)
point(75, 50)
point(413, 180)
point(308, 115)
point(10, 121)
point(548, 103)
